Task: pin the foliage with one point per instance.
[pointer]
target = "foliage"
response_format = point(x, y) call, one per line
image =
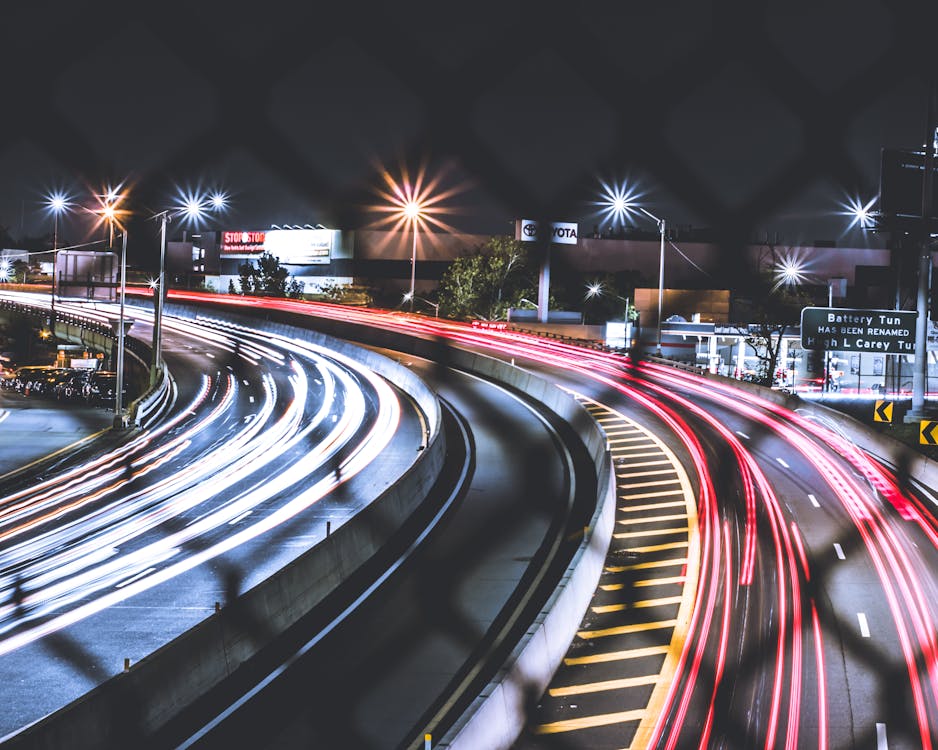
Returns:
point(486, 282)
point(268, 277)
point(773, 308)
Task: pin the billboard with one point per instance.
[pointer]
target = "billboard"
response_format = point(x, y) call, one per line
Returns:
point(300, 247)
point(842, 330)
point(242, 243)
point(561, 232)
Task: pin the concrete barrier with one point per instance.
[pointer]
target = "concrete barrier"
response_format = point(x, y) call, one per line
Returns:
point(127, 709)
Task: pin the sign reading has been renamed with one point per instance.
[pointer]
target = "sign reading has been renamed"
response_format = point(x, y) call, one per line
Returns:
point(841, 330)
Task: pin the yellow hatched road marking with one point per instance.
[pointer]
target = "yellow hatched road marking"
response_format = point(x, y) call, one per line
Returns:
point(656, 547)
point(664, 581)
point(588, 722)
point(651, 506)
point(653, 473)
point(637, 464)
point(639, 627)
point(652, 483)
point(644, 604)
point(598, 687)
point(648, 716)
point(652, 519)
point(650, 532)
point(646, 495)
point(647, 565)
point(635, 653)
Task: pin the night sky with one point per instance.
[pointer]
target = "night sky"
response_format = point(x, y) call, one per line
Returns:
point(747, 117)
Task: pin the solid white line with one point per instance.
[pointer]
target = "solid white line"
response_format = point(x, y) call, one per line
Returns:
point(814, 501)
point(881, 737)
point(840, 551)
point(130, 580)
point(782, 462)
point(864, 625)
point(244, 515)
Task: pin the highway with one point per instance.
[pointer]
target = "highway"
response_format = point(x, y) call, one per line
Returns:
point(768, 586)
point(812, 568)
point(109, 559)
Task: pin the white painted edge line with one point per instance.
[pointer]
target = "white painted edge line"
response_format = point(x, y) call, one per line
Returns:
point(864, 625)
point(814, 501)
point(840, 551)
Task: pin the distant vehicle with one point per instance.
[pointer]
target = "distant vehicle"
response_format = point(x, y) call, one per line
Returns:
point(71, 384)
point(30, 378)
point(101, 387)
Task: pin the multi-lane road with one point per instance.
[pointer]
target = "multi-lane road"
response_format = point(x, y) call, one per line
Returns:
point(768, 584)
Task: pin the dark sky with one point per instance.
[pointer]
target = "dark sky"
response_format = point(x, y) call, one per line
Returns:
point(744, 116)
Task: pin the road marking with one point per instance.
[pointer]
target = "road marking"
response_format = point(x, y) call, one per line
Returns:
point(651, 532)
point(656, 547)
point(130, 580)
point(643, 438)
point(742, 435)
point(244, 515)
point(652, 483)
point(663, 581)
point(864, 625)
point(626, 629)
point(635, 653)
point(782, 462)
point(652, 519)
point(881, 737)
point(597, 687)
point(814, 501)
point(587, 722)
point(646, 565)
point(645, 495)
point(634, 464)
point(650, 506)
point(251, 399)
point(644, 604)
point(840, 551)
point(652, 473)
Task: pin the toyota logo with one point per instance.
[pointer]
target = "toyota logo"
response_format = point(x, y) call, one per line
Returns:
point(529, 230)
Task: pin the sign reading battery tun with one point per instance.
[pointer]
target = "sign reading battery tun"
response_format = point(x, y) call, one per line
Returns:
point(842, 330)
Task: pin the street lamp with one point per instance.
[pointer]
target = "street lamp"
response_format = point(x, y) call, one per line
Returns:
point(56, 203)
point(192, 208)
point(618, 202)
point(410, 297)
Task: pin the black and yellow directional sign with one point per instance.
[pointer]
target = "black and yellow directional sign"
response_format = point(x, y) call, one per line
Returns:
point(926, 432)
point(883, 411)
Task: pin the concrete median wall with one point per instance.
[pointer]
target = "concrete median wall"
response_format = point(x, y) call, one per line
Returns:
point(128, 708)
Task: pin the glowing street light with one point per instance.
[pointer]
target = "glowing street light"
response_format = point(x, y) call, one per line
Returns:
point(56, 203)
point(618, 202)
point(413, 204)
point(191, 208)
point(596, 289)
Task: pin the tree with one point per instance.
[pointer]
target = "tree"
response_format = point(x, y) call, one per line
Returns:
point(268, 277)
point(487, 281)
point(775, 307)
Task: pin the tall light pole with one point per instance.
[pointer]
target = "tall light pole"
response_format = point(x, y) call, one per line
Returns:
point(121, 332)
point(617, 202)
point(56, 203)
point(412, 211)
point(193, 207)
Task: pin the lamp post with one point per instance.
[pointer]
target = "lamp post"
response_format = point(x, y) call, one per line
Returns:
point(56, 203)
point(413, 211)
point(121, 333)
point(193, 208)
point(618, 201)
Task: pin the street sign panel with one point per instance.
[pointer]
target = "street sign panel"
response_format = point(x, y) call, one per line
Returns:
point(845, 330)
point(883, 411)
point(926, 432)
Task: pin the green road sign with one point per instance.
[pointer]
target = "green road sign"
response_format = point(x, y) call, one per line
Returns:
point(842, 330)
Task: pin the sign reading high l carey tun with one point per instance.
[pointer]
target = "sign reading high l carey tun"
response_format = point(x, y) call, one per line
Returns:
point(842, 330)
